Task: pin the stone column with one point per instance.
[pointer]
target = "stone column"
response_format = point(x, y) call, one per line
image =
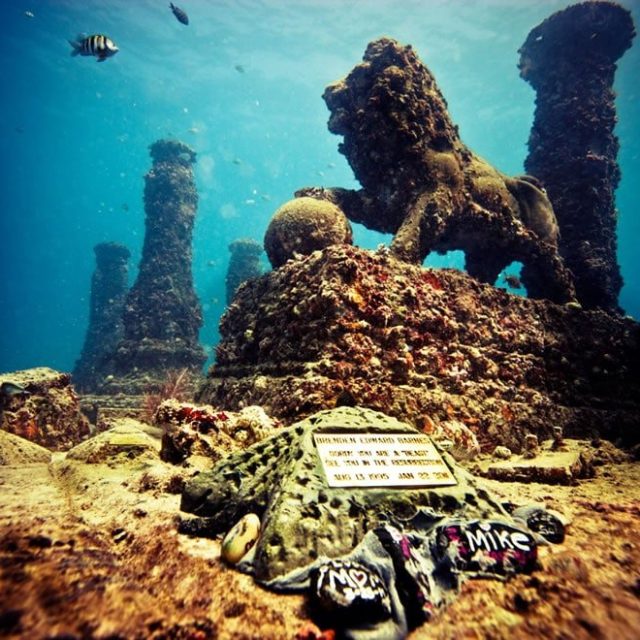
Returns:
point(243, 264)
point(162, 314)
point(570, 61)
point(105, 330)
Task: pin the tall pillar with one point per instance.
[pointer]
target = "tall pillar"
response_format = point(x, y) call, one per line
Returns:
point(162, 314)
point(105, 330)
point(570, 61)
point(244, 264)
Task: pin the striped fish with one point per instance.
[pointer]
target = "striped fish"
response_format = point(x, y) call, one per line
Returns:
point(97, 45)
point(179, 14)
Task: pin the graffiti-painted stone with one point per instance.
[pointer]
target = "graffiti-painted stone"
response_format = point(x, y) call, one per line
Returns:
point(485, 547)
point(542, 521)
point(342, 590)
point(241, 538)
point(414, 569)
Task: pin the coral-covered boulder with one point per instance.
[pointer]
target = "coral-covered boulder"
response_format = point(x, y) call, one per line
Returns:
point(205, 431)
point(303, 225)
point(40, 405)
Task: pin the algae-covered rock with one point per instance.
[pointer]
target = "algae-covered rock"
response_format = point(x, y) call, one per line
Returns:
point(15, 450)
point(126, 439)
point(46, 412)
point(281, 479)
point(302, 226)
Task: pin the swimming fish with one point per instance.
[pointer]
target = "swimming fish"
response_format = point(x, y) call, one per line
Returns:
point(29, 14)
point(10, 390)
point(513, 281)
point(180, 15)
point(97, 45)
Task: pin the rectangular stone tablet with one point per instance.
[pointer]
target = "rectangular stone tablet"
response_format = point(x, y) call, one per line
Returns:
point(381, 460)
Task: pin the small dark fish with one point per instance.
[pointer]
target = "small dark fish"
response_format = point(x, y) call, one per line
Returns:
point(97, 45)
point(513, 281)
point(239, 68)
point(180, 15)
point(10, 390)
point(125, 206)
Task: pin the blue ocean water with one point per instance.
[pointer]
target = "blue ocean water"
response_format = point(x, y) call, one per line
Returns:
point(242, 85)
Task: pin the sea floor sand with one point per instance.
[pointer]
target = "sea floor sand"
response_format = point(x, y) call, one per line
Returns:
point(92, 551)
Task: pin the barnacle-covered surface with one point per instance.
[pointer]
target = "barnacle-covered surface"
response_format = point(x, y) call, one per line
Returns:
point(162, 314)
point(570, 60)
point(302, 225)
point(48, 413)
point(281, 479)
point(421, 183)
point(106, 329)
point(346, 326)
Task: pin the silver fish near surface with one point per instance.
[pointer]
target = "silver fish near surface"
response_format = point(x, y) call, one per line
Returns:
point(96, 45)
point(12, 390)
point(180, 15)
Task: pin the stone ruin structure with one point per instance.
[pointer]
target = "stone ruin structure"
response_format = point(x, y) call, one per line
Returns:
point(349, 327)
point(341, 326)
point(244, 264)
point(162, 314)
point(108, 291)
point(281, 478)
point(570, 61)
point(421, 183)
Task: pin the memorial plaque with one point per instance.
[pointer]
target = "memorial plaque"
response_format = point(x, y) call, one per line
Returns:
point(381, 460)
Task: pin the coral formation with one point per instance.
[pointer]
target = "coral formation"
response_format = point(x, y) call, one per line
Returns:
point(244, 264)
point(162, 314)
point(105, 330)
point(205, 431)
point(421, 183)
point(282, 481)
point(303, 225)
point(570, 61)
point(345, 326)
point(48, 413)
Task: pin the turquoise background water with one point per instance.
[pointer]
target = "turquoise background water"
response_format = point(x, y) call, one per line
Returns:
point(242, 84)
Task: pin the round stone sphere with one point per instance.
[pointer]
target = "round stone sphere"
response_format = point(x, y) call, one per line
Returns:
point(302, 226)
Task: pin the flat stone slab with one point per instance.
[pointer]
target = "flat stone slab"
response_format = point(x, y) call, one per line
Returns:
point(127, 438)
point(564, 466)
point(282, 480)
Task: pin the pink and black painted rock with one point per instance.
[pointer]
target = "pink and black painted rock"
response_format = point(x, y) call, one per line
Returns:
point(344, 592)
point(485, 548)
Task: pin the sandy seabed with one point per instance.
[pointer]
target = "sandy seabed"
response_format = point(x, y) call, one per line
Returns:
point(92, 551)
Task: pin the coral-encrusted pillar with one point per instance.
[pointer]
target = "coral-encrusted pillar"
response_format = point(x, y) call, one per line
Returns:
point(243, 264)
point(570, 61)
point(162, 314)
point(105, 330)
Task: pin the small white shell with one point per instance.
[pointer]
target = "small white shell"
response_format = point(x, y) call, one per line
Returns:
point(242, 536)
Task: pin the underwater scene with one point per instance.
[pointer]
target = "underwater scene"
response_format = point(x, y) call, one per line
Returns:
point(319, 319)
